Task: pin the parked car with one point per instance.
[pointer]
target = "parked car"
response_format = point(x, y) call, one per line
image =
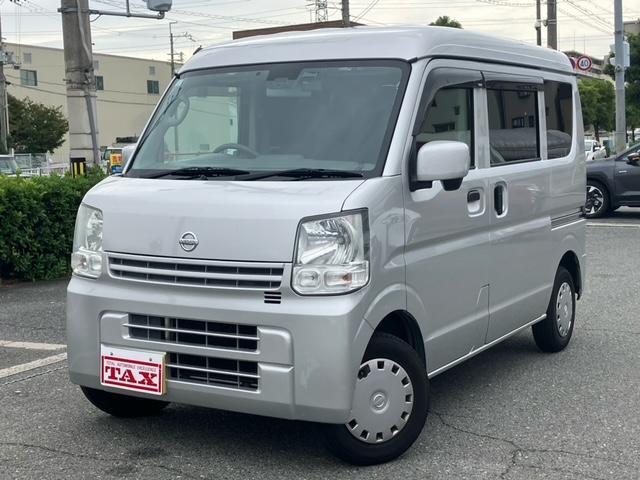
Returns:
point(316, 239)
point(613, 183)
point(593, 150)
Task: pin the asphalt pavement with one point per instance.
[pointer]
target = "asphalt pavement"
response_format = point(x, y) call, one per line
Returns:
point(509, 413)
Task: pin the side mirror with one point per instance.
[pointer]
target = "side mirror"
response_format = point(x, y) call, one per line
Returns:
point(445, 161)
point(633, 159)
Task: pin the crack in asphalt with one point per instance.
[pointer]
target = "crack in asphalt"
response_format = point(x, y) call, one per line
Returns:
point(33, 375)
point(98, 458)
point(517, 450)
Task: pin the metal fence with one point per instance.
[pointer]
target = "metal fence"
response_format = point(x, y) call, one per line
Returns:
point(30, 160)
point(30, 164)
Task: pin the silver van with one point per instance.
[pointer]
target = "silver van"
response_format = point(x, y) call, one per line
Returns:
point(313, 225)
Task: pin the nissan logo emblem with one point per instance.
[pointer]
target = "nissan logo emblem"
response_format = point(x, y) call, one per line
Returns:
point(188, 241)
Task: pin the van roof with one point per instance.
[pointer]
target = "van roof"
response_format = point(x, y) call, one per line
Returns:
point(405, 43)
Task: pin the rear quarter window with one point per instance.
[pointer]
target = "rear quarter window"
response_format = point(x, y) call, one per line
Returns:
point(558, 105)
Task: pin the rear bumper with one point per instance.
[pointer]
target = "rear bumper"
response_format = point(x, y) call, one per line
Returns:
point(306, 363)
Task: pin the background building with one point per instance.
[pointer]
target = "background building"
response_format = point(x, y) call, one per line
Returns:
point(127, 88)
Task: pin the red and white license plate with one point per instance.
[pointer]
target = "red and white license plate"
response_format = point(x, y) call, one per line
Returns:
point(132, 370)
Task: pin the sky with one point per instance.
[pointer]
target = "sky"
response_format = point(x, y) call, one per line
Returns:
point(583, 25)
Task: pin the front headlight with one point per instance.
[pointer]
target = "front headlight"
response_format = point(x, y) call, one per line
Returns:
point(86, 259)
point(332, 254)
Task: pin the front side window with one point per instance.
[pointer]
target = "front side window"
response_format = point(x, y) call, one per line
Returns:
point(29, 78)
point(449, 116)
point(513, 125)
point(276, 117)
point(558, 105)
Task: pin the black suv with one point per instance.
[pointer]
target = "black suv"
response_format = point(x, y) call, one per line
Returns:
point(613, 182)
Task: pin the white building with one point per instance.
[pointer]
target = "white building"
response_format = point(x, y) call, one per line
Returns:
point(128, 88)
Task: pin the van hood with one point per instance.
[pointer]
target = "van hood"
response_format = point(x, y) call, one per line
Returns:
point(232, 220)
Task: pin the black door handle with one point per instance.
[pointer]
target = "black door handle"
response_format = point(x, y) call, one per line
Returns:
point(473, 196)
point(498, 199)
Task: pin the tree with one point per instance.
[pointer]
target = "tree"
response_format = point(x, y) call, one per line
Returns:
point(445, 21)
point(34, 127)
point(598, 104)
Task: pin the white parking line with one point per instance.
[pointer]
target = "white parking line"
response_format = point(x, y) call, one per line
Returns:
point(610, 224)
point(25, 367)
point(32, 345)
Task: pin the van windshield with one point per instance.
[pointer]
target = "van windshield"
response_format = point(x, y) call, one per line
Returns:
point(253, 122)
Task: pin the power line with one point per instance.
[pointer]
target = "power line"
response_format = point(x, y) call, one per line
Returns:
point(594, 17)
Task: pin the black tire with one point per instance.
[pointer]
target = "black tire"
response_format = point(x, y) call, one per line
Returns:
point(123, 406)
point(547, 333)
point(598, 202)
point(348, 448)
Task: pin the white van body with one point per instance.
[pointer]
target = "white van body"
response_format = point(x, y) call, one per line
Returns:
point(438, 173)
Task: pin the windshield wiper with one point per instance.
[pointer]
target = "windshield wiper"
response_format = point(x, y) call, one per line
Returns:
point(303, 173)
point(200, 172)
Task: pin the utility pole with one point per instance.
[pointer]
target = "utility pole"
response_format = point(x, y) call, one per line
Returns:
point(538, 24)
point(173, 63)
point(173, 54)
point(621, 123)
point(80, 79)
point(552, 25)
point(4, 113)
point(345, 14)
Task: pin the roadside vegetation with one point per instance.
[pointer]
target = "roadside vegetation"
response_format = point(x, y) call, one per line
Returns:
point(37, 218)
point(35, 127)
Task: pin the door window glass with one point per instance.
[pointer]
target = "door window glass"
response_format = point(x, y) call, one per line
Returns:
point(449, 116)
point(513, 125)
point(558, 100)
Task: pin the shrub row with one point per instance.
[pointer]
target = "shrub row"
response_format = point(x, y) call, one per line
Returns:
point(37, 219)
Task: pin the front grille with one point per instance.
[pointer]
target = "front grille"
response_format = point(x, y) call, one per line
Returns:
point(196, 273)
point(222, 372)
point(182, 331)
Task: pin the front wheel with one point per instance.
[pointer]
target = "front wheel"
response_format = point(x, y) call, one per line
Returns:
point(390, 403)
point(554, 332)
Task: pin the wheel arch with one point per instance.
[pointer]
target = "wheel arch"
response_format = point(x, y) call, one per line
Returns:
point(403, 325)
point(603, 180)
point(571, 262)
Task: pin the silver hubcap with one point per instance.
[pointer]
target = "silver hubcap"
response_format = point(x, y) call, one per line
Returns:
point(564, 309)
point(595, 200)
point(382, 402)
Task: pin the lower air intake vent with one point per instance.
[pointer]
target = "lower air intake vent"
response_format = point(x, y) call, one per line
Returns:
point(273, 297)
point(221, 372)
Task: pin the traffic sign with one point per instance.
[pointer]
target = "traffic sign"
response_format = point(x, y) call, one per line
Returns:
point(584, 63)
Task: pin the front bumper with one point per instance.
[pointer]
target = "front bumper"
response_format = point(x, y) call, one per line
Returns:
point(308, 353)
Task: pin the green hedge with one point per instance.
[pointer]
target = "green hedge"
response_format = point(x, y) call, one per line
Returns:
point(37, 218)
